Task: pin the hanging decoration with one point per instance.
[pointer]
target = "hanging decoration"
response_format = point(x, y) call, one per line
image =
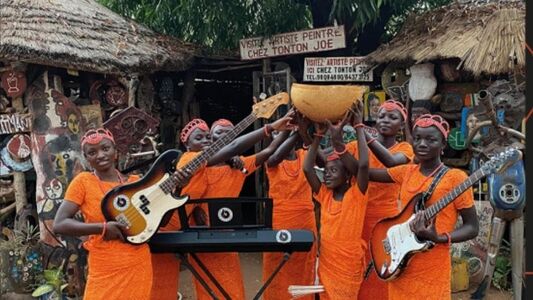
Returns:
point(13, 83)
point(423, 84)
point(130, 126)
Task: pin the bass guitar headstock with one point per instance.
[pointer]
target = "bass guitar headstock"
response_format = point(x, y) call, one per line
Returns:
point(502, 160)
point(267, 107)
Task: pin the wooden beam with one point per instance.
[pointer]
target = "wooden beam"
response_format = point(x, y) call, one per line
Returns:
point(133, 84)
point(8, 209)
point(19, 179)
point(187, 97)
point(228, 68)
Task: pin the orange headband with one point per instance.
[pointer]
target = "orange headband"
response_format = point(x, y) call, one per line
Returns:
point(95, 136)
point(428, 120)
point(221, 122)
point(332, 157)
point(190, 127)
point(391, 104)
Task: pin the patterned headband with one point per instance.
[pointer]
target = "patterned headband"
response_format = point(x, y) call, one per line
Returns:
point(95, 136)
point(332, 157)
point(190, 127)
point(221, 122)
point(391, 105)
point(428, 120)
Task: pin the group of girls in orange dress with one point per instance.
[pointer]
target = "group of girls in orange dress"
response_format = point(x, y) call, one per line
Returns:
point(364, 181)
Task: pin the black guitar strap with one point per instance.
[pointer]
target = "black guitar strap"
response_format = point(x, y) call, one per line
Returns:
point(427, 194)
point(421, 205)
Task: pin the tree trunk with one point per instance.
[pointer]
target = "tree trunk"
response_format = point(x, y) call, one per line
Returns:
point(320, 9)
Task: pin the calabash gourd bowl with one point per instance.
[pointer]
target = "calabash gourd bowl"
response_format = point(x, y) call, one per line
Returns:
point(325, 102)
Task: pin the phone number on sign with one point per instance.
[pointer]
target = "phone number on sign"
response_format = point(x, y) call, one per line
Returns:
point(338, 77)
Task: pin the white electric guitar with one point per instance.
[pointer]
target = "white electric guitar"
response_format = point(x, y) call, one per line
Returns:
point(392, 242)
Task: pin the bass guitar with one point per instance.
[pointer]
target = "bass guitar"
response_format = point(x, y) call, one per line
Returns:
point(142, 205)
point(392, 242)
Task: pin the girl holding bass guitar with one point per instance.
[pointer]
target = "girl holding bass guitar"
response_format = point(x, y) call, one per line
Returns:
point(428, 274)
point(224, 181)
point(217, 179)
point(117, 270)
point(166, 266)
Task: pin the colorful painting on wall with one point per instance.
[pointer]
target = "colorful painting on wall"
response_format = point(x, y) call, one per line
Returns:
point(373, 101)
point(55, 145)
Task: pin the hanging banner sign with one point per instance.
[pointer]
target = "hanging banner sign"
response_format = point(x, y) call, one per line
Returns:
point(312, 40)
point(14, 123)
point(337, 69)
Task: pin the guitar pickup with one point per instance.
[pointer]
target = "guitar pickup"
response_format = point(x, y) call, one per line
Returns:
point(386, 245)
point(122, 219)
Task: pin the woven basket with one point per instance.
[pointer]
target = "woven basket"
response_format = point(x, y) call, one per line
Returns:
point(322, 102)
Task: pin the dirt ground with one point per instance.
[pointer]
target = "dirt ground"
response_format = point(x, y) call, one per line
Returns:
point(251, 264)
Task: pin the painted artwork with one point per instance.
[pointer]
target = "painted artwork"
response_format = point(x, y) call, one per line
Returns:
point(55, 145)
point(13, 83)
point(475, 250)
point(129, 127)
point(57, 126)
point(373, 101)
point(92, 115)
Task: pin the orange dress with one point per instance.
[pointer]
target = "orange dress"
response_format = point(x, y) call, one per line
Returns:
point(223, 181)
point(117, 270)
point(342, 250)
point(166, 266)
point(428, 274)
point(293, 209)
point(382, 203)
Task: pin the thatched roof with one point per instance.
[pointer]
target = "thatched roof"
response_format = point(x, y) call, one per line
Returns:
point(488, 38)
point(84, 35)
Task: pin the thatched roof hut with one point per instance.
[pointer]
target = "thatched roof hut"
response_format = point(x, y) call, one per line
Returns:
point(488, 38)
point(84, 35)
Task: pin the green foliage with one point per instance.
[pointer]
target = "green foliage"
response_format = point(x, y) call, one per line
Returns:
point(503, 267)
point(361, 13)
point(215, 24)
point(54, 283)
point(220, 24)
point(402, 12)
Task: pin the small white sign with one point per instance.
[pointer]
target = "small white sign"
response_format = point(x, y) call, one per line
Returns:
point(15, 123)
point(312, 40)
point(337, 69)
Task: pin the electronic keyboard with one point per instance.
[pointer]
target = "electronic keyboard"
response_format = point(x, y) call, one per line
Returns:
point(232, 240)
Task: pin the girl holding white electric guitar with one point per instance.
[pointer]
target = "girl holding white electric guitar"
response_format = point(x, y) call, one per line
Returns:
point(428, 274)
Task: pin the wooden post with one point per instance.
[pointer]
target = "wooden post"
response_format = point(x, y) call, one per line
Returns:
point(19, 179)
point(58, 85)
point(517, 256)
point(260, 182)
point(187, 97)
point(133, 84)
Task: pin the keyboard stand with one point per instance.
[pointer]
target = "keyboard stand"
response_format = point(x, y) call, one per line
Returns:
point(185, 261)
point(285, 258)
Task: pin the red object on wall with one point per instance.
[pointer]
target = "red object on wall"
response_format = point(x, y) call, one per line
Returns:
point(130, 126)
point(19, 146)
point(14, 83)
